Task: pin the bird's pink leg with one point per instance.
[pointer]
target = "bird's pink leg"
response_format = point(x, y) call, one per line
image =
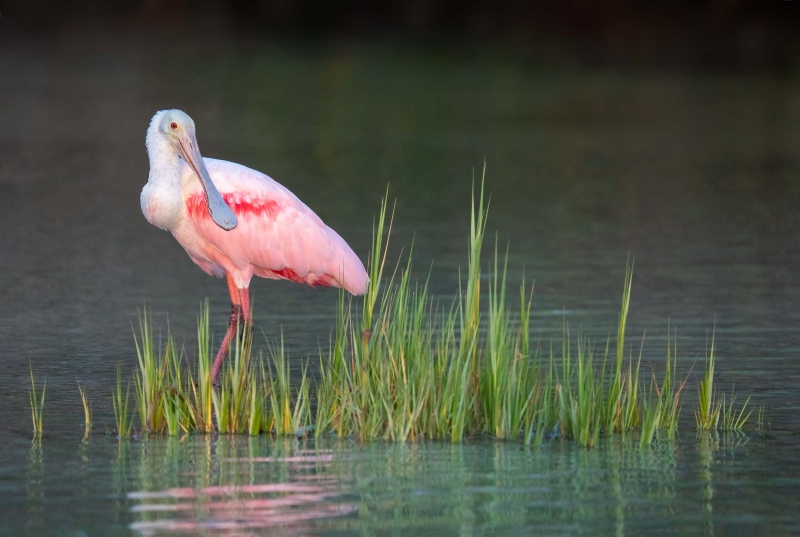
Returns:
point(247, 312)
point(236, 316)
point(247, 318)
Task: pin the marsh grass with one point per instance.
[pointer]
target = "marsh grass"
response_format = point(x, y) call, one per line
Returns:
point(731, 419)
point(669, 393)
point(290, 410)
point(200, 388)
point(122, 418)
point(231, 402)
point(652, 406)
point(174, 395)
point(713, 412)
point(580, 393)
point(402, 367)
point(661, 408)
point(621, 413)
point(37, 405)
point(708, 405)
point(415, 368)
point(87, 409)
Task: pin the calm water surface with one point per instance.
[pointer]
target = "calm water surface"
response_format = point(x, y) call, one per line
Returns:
point(256, 486)
point(696, 176)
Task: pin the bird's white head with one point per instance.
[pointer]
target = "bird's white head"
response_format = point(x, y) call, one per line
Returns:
point(171, 123)
point(176, 128)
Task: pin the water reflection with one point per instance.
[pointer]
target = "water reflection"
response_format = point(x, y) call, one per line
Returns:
point(35, 492)
point(251, 486)
point(225, 484)
point(697, 485)
point(119, 477)
point(713, 449)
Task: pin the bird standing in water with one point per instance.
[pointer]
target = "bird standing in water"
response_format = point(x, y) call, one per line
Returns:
point(236, 222)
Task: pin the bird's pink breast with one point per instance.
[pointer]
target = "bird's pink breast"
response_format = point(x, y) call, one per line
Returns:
point(241, 204)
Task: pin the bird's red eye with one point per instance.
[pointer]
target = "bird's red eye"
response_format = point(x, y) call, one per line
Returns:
point(173, 125)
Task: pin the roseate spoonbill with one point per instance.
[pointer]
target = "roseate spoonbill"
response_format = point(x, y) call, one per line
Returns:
point(236, 222)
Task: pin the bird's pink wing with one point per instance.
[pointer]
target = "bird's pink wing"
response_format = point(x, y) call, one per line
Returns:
point(277, 237)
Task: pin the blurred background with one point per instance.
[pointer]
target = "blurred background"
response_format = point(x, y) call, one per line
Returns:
point(715, 35)
point(664, 131)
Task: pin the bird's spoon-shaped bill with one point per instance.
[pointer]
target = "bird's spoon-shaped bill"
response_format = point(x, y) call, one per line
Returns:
point(217, 208)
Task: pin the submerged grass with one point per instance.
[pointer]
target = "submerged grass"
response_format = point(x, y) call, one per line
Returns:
point(406, 367)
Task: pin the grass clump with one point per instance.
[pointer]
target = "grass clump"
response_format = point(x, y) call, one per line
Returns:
point(414, 369)
point(669, 393)
point(232, 401)
point(712, 410)
point(290, 412)
point(580, 395)
point(621, 411)
point(508, 378)
point(708, 405)
point(652, 406)
point(731, 419)
point(37, 405)
point(405, 367)
point(661, 409)
point(122, 418)
point(173, 397)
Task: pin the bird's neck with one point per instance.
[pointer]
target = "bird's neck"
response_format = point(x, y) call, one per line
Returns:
point(162, 196)
point(165, 165)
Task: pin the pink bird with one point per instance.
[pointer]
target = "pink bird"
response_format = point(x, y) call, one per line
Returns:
point(236, 222)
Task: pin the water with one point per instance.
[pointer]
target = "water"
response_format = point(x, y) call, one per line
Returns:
point(695, 175)
point(256, 486)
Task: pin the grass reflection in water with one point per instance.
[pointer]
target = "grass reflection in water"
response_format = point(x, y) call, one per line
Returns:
point(208, 484)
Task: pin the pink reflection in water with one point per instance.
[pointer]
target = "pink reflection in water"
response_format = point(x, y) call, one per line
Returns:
point(286, 508)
